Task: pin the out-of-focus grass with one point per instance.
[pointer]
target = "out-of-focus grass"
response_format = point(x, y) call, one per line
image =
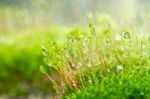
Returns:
point(20, 58)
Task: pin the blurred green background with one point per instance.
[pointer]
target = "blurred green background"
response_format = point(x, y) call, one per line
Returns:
point(26, 25)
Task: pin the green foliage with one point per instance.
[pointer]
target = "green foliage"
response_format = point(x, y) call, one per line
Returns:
point(132, 86)
point(102, 63)
point(20, 58)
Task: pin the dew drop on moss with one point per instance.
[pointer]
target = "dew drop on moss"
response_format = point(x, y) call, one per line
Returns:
point(126, 35)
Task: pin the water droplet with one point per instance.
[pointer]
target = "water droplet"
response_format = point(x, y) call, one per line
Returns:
point(117, 37)
point(90, 24)
point(85, 50)
point(126, 35)
point(90, 81)
point(70, 40)
point(67, 52)
point(108, 41)
point(74, 49)
point(108, 70)
point(49, 63)
point(44, 52)
point(79, 65)
point(120, 67)
point(85, 47)
point(90, 62)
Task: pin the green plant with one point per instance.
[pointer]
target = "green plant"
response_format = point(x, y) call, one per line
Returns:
point(20, 58)
point(103, 61)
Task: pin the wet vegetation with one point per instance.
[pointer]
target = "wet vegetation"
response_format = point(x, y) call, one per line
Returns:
point(104, 62)
point(81, 49)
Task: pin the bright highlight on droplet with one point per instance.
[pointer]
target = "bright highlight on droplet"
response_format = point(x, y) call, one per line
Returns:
point(120, 67)
point(117, 37)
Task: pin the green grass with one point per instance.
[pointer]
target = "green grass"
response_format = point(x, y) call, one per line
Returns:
point(105, 62)
point(20, 58)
